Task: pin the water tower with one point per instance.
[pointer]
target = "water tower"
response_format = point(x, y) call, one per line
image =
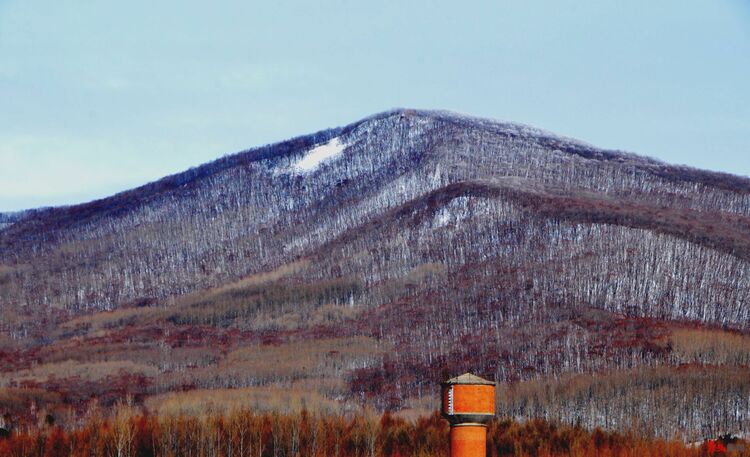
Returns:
point(468, 404)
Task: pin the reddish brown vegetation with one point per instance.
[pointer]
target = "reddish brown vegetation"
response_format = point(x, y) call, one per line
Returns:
point(244, 433)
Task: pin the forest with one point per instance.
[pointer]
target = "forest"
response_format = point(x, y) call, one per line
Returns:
point(129, 433)
point(599, 288)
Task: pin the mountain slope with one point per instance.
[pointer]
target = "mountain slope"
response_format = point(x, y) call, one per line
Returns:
point(450, 243)
point(224, 207)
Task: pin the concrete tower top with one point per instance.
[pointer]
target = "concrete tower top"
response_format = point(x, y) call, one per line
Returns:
point(468, 379)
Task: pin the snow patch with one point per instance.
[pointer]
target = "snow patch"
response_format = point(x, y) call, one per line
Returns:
point(443, 218)
point(317, 155)
point(453, 213)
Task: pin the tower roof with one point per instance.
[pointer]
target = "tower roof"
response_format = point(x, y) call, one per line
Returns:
point(468, 378)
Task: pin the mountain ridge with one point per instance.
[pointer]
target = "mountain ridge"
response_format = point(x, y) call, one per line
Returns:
point(282, 148)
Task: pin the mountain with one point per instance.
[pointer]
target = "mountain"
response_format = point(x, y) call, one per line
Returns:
point(367, 262)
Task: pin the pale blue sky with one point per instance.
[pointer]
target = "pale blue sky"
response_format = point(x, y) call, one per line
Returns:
point(99, 96)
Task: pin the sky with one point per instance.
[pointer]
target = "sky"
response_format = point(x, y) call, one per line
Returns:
point(101, 96)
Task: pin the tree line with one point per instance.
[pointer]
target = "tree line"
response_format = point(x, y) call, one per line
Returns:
point(129, 433)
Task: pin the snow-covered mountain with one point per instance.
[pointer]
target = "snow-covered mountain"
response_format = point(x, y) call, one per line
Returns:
point(488, 245)
point(259, 209)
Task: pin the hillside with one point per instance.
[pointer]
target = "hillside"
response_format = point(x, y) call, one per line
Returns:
point(362, 264)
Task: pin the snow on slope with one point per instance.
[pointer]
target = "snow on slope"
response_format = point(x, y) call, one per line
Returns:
point(317, 155)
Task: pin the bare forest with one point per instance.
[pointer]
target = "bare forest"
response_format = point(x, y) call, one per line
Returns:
point(601, 290)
